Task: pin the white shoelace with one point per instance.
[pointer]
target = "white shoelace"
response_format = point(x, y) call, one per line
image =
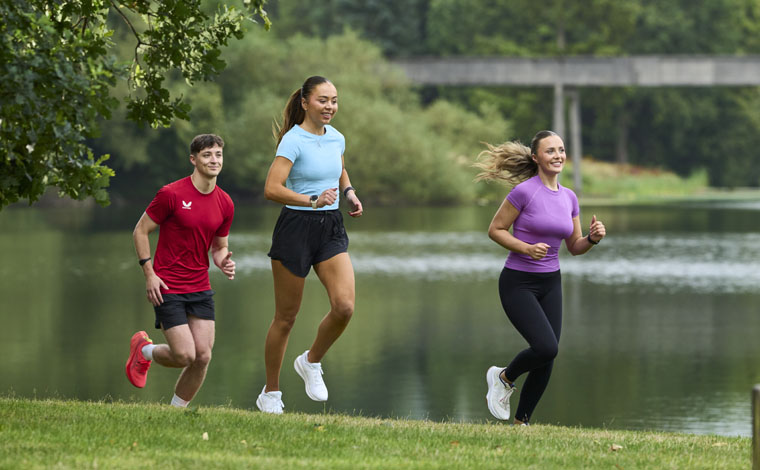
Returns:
point(503, 400)
point(316, 373)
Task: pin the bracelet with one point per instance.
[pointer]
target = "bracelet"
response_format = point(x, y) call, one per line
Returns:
point(588, 237)
point(348, 188)
point(143, 261)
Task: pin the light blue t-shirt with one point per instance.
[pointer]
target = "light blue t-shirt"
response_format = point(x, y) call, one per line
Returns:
point(317, 161)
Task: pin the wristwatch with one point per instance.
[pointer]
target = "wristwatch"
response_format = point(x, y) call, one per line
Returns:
point(314, 198)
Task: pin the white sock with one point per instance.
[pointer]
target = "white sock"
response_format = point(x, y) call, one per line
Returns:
point(147, 351)
point(178, 402)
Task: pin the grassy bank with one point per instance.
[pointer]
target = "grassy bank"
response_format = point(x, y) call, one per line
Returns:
point(632, 183)
point(614, 184)
point(72, 434)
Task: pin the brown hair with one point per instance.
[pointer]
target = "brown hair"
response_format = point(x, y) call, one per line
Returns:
point(510, 161)
point(204, 141)
point(294, 113)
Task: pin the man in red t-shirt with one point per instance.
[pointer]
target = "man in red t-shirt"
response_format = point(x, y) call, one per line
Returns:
point(194, 215)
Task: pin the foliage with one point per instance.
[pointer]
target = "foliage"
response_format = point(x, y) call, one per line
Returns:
point(396, 150)
point(397, 27)
point(72, 434)
point(59, 74)
point(681, 129)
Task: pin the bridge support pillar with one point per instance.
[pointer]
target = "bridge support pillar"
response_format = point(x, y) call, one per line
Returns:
point(576, 145)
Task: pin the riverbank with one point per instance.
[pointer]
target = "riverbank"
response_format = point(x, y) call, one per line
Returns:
point(74, 434)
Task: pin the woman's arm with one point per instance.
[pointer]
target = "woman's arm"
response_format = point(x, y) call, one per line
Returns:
point(345, 182)
point(498, 231)
point(275, 189)
point(577, 244)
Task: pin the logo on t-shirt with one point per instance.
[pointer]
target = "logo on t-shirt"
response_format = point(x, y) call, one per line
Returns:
point(186, 205)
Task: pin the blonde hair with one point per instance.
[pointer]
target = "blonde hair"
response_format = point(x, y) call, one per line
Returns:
point(511, 161)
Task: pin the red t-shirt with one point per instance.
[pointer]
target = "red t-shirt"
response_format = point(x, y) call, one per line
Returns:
point(189, 222)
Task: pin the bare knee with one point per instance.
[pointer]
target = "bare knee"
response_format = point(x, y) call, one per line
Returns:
point(184, 358)
point(343, 310)
point(284, 322)
point(202, 358)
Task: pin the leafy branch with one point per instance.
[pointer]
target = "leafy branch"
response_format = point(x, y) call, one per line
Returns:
point(58, 75)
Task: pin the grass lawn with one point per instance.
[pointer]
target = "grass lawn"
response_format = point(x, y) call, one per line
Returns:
point(73, 434)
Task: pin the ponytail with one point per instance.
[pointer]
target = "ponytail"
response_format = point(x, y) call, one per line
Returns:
point(511, 161)
point(294, 113)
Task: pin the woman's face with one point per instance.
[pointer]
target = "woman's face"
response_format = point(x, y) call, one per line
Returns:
point(550, 155)
point(322, 104)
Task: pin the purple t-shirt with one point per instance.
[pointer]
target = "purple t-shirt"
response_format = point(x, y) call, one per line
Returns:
point(546, 216)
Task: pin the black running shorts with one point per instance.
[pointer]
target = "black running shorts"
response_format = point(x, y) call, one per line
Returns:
point(302, 239)
point(177, 307)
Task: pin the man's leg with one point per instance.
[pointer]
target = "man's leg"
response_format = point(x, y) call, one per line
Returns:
point(202, 336)
point(179, 350)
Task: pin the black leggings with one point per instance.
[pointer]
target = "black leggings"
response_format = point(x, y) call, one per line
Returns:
point(533, 303)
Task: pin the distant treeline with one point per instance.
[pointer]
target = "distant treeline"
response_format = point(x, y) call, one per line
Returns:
point(415, 145)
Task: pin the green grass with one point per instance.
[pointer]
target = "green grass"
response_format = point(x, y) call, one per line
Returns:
point(73, 434)
point(614, 184)
point(631, 183)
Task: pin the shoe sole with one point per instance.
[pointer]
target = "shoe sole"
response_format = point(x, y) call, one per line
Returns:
point(302, 373)
point(491, 382)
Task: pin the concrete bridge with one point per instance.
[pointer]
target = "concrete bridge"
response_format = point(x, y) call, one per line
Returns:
point(567, 74)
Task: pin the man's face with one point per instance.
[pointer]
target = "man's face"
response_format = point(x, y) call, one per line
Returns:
point(208, 162)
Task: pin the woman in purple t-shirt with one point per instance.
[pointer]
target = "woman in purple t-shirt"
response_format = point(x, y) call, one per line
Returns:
point(541, 213)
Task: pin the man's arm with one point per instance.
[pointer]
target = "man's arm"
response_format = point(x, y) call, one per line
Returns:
point(153, 283)
point(221, 255)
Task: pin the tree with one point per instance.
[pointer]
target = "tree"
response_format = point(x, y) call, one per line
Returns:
point(397, 151)
point(58, 78)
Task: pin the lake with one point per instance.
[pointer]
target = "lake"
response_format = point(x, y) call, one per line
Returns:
point(660, 330)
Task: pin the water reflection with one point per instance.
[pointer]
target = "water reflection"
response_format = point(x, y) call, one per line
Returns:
point(660, 326)
point(706, 262)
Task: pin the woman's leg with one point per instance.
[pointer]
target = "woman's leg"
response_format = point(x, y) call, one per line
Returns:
point(288, 292)
point(538, 379)
point(337, 275)
point(535, 309)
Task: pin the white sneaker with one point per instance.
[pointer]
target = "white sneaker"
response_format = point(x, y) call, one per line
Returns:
point(270, 402)
point(311, 373)
point(498, 394)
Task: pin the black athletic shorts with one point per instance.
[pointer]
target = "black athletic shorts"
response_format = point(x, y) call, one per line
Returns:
point(302, 239)
point(177, 307)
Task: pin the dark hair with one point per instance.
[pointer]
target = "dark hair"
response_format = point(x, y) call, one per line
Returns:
point(204, 141)
point(510, 161)
point(294, 113)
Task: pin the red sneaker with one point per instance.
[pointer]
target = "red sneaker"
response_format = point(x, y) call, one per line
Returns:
point(137, 365)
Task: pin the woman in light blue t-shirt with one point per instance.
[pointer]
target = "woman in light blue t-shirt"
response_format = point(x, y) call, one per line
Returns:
point(541, 213)
point(307, 176)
